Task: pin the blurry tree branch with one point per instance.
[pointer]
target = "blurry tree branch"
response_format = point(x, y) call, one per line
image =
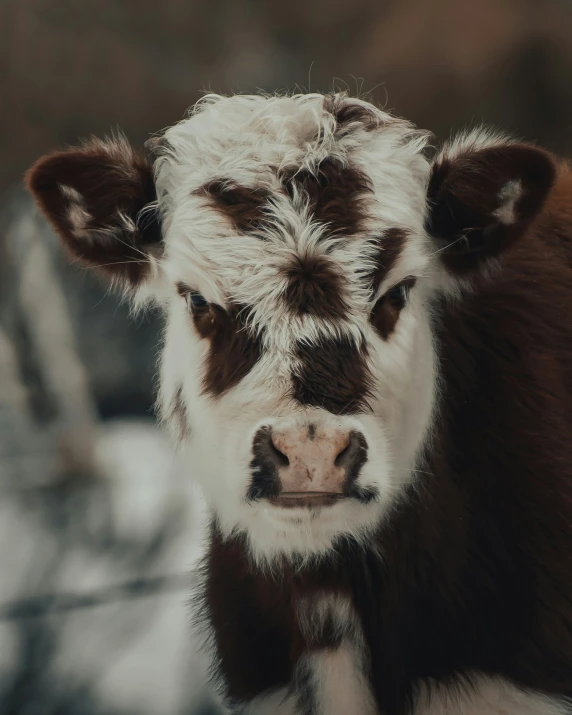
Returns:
point(62, 602)
point(83, 560)
point(44, 313)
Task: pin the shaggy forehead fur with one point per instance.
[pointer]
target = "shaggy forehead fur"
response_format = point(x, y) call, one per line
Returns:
point(254, 190)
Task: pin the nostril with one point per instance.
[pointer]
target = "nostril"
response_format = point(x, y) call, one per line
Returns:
point(281, 459)
point(265, 450)
point(342, 457)
point(353, 456)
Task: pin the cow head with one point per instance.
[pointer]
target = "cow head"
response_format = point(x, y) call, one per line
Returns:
point(296, 245)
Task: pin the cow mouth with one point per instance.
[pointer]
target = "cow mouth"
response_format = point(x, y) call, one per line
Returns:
point(309, 499)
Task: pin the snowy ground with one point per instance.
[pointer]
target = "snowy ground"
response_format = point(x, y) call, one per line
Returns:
point(100, 526)
point(94, 614)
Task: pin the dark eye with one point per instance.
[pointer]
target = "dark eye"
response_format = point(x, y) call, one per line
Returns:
point(385, 313)
point(195, 301)
point(399, 294)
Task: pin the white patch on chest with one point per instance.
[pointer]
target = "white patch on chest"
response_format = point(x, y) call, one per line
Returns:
point(333, 680)
point(338, 683)
point(281, 702)
point(489, 696)
point(327, 681)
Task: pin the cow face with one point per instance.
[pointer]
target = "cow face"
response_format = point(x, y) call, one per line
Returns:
point(296, 245)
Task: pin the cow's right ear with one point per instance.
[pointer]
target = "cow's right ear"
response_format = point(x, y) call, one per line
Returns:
point(100, 198)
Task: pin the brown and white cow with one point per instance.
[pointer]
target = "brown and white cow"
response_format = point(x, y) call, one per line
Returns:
point(368, 361)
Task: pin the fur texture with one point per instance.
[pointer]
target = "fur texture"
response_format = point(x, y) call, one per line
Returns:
point(317, 270)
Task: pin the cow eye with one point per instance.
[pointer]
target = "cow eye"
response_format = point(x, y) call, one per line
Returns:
point(385, 313)
point(398, 296)
point(195, 301)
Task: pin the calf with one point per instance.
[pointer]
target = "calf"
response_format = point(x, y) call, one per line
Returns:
point(368, 361)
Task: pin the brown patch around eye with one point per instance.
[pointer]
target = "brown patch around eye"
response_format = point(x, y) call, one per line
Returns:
point(388, 249)
point(183, 288)
point(241, 205)
point(201, 313)
point(315, 288)
point(336, 194)
point(204, 320)
point(233, 350)
point(386, 311)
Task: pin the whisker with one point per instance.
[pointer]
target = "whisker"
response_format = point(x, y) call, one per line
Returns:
point(412, 469)
point(131, 246)
point(444, 248)
point(113, 263)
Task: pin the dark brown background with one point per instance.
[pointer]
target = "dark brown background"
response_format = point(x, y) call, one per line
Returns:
point(72, 67)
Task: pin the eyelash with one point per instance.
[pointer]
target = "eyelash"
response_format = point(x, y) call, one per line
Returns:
point(398, 296)
point(195, 301)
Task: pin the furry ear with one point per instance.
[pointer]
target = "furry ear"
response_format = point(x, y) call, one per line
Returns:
point(100, 198)
point(483, 193)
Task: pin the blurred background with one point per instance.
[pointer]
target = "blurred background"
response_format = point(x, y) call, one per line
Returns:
point(99, 523)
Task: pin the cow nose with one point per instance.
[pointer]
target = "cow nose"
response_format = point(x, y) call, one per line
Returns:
point(307, 465)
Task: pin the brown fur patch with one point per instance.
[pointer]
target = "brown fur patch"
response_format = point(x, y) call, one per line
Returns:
point(314, 287)
point(386, 311)
point(333, 376)
point(264, 466)
point(555, 222)
point(388, 249)
point(246, 633)
point(233, 352)
point(98, 181)
point(183, 288)
point(336, 195)
point(241, 205)
point(350, 115)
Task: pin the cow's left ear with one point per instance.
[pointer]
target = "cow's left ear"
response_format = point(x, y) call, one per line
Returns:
point(100, 198)
point(483, 193)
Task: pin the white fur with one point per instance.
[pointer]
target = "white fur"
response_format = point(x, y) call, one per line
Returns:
point(70, 193)
point(245, 140)
point(280, 702)
point(488, 696)
point(339, 685)
point(472, 140)
point(77, 214)
point(508, 196)
point(314, 613)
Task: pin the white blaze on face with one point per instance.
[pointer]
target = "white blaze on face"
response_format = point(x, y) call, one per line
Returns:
point(296, 224)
